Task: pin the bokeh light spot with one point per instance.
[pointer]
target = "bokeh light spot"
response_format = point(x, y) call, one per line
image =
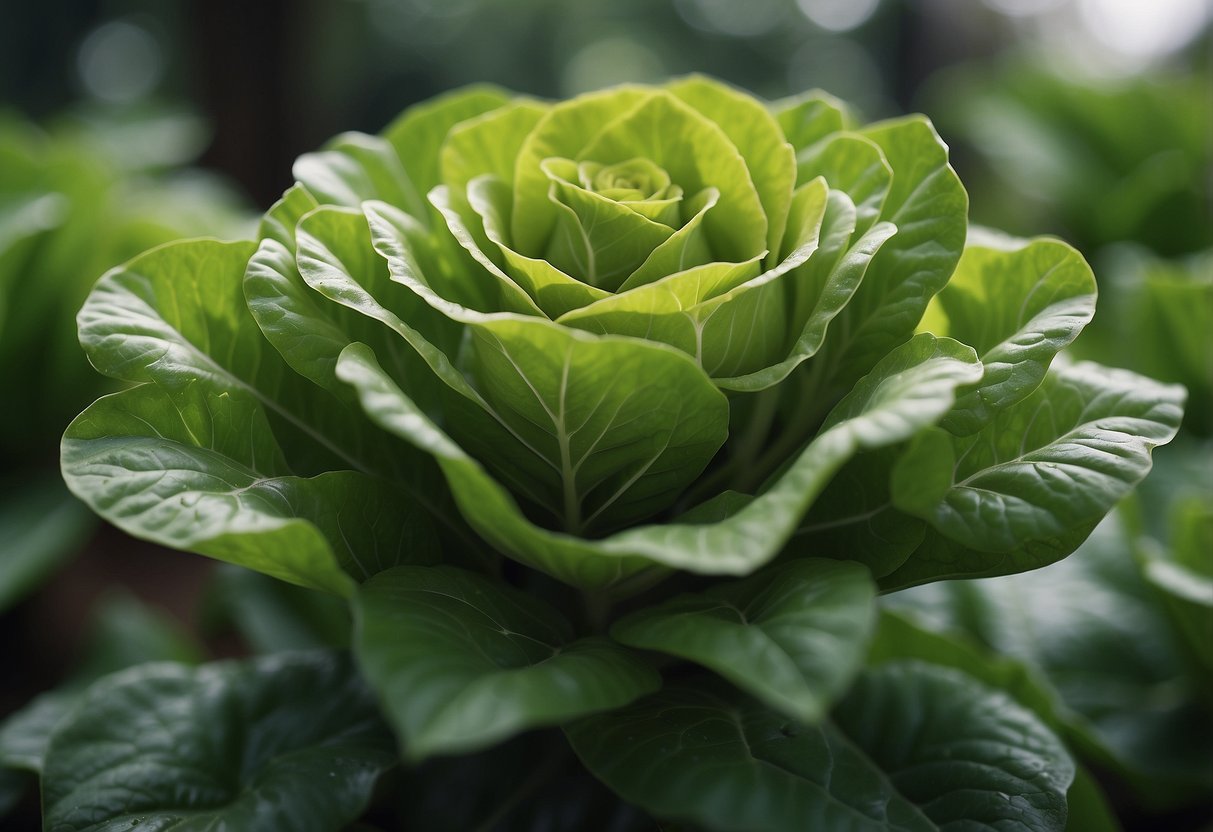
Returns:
point(120, 62)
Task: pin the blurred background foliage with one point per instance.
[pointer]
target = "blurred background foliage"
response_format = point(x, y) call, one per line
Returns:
point(126, 123)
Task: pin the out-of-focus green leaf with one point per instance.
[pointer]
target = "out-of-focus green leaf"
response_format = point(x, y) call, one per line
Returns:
point(1095, 633)
point(41, 526)
point(272, 616)
point(123, 633)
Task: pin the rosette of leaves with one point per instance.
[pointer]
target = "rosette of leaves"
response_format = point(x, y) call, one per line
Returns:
point(721, 368)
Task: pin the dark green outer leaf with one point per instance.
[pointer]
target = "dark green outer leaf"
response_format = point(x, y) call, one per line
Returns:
point(1095, 636)
point(791, 635)
point(291, 741)
point(913, 747)
point(462, 662)
point(123, 633)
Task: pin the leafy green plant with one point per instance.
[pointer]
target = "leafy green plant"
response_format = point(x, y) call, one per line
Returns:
point(1101, 160)
point(611, 415)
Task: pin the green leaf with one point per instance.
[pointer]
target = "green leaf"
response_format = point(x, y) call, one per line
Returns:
point(488, 143)
point(41, 526)
point(625, 425)
point(355, 167)
point(791, 635)
point(290, 741)
point(854, 518)
point(552, 289)
point(729, 316)
point(418, 134)
point(212, 481)
point(122, 633)
point(279, 222)
point(912, 388)
point(928, 205)
point(901, 636)
point(195, 457)
point(757, 137)
point(824, 287)
point(698, 154)
point(854, 164)
point(912, 747)
point(1087, 806)
point(562, 133)
point(599, 240)
point(1189, 598)
point(1018, 303)
point(462, 662)
point(1042, 471)
point(309, 334)
point(811, 116)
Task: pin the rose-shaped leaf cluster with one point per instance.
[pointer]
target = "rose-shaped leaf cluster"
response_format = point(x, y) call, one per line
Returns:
point(632, 340)
point(636, 330)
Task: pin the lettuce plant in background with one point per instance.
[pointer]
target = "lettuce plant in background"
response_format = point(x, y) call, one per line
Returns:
point(74, 203)
point(610, 418)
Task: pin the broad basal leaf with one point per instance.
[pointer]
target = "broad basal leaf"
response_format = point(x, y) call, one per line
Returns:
point(286, 742)
point(912, 747)
point(792, 635)
point(462, 662)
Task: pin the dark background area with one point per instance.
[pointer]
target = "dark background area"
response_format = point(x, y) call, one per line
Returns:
point(275, 78)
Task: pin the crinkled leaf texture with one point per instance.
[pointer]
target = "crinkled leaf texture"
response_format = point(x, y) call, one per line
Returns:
point(912, 747)
point(291, 741)
point(462, 662)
